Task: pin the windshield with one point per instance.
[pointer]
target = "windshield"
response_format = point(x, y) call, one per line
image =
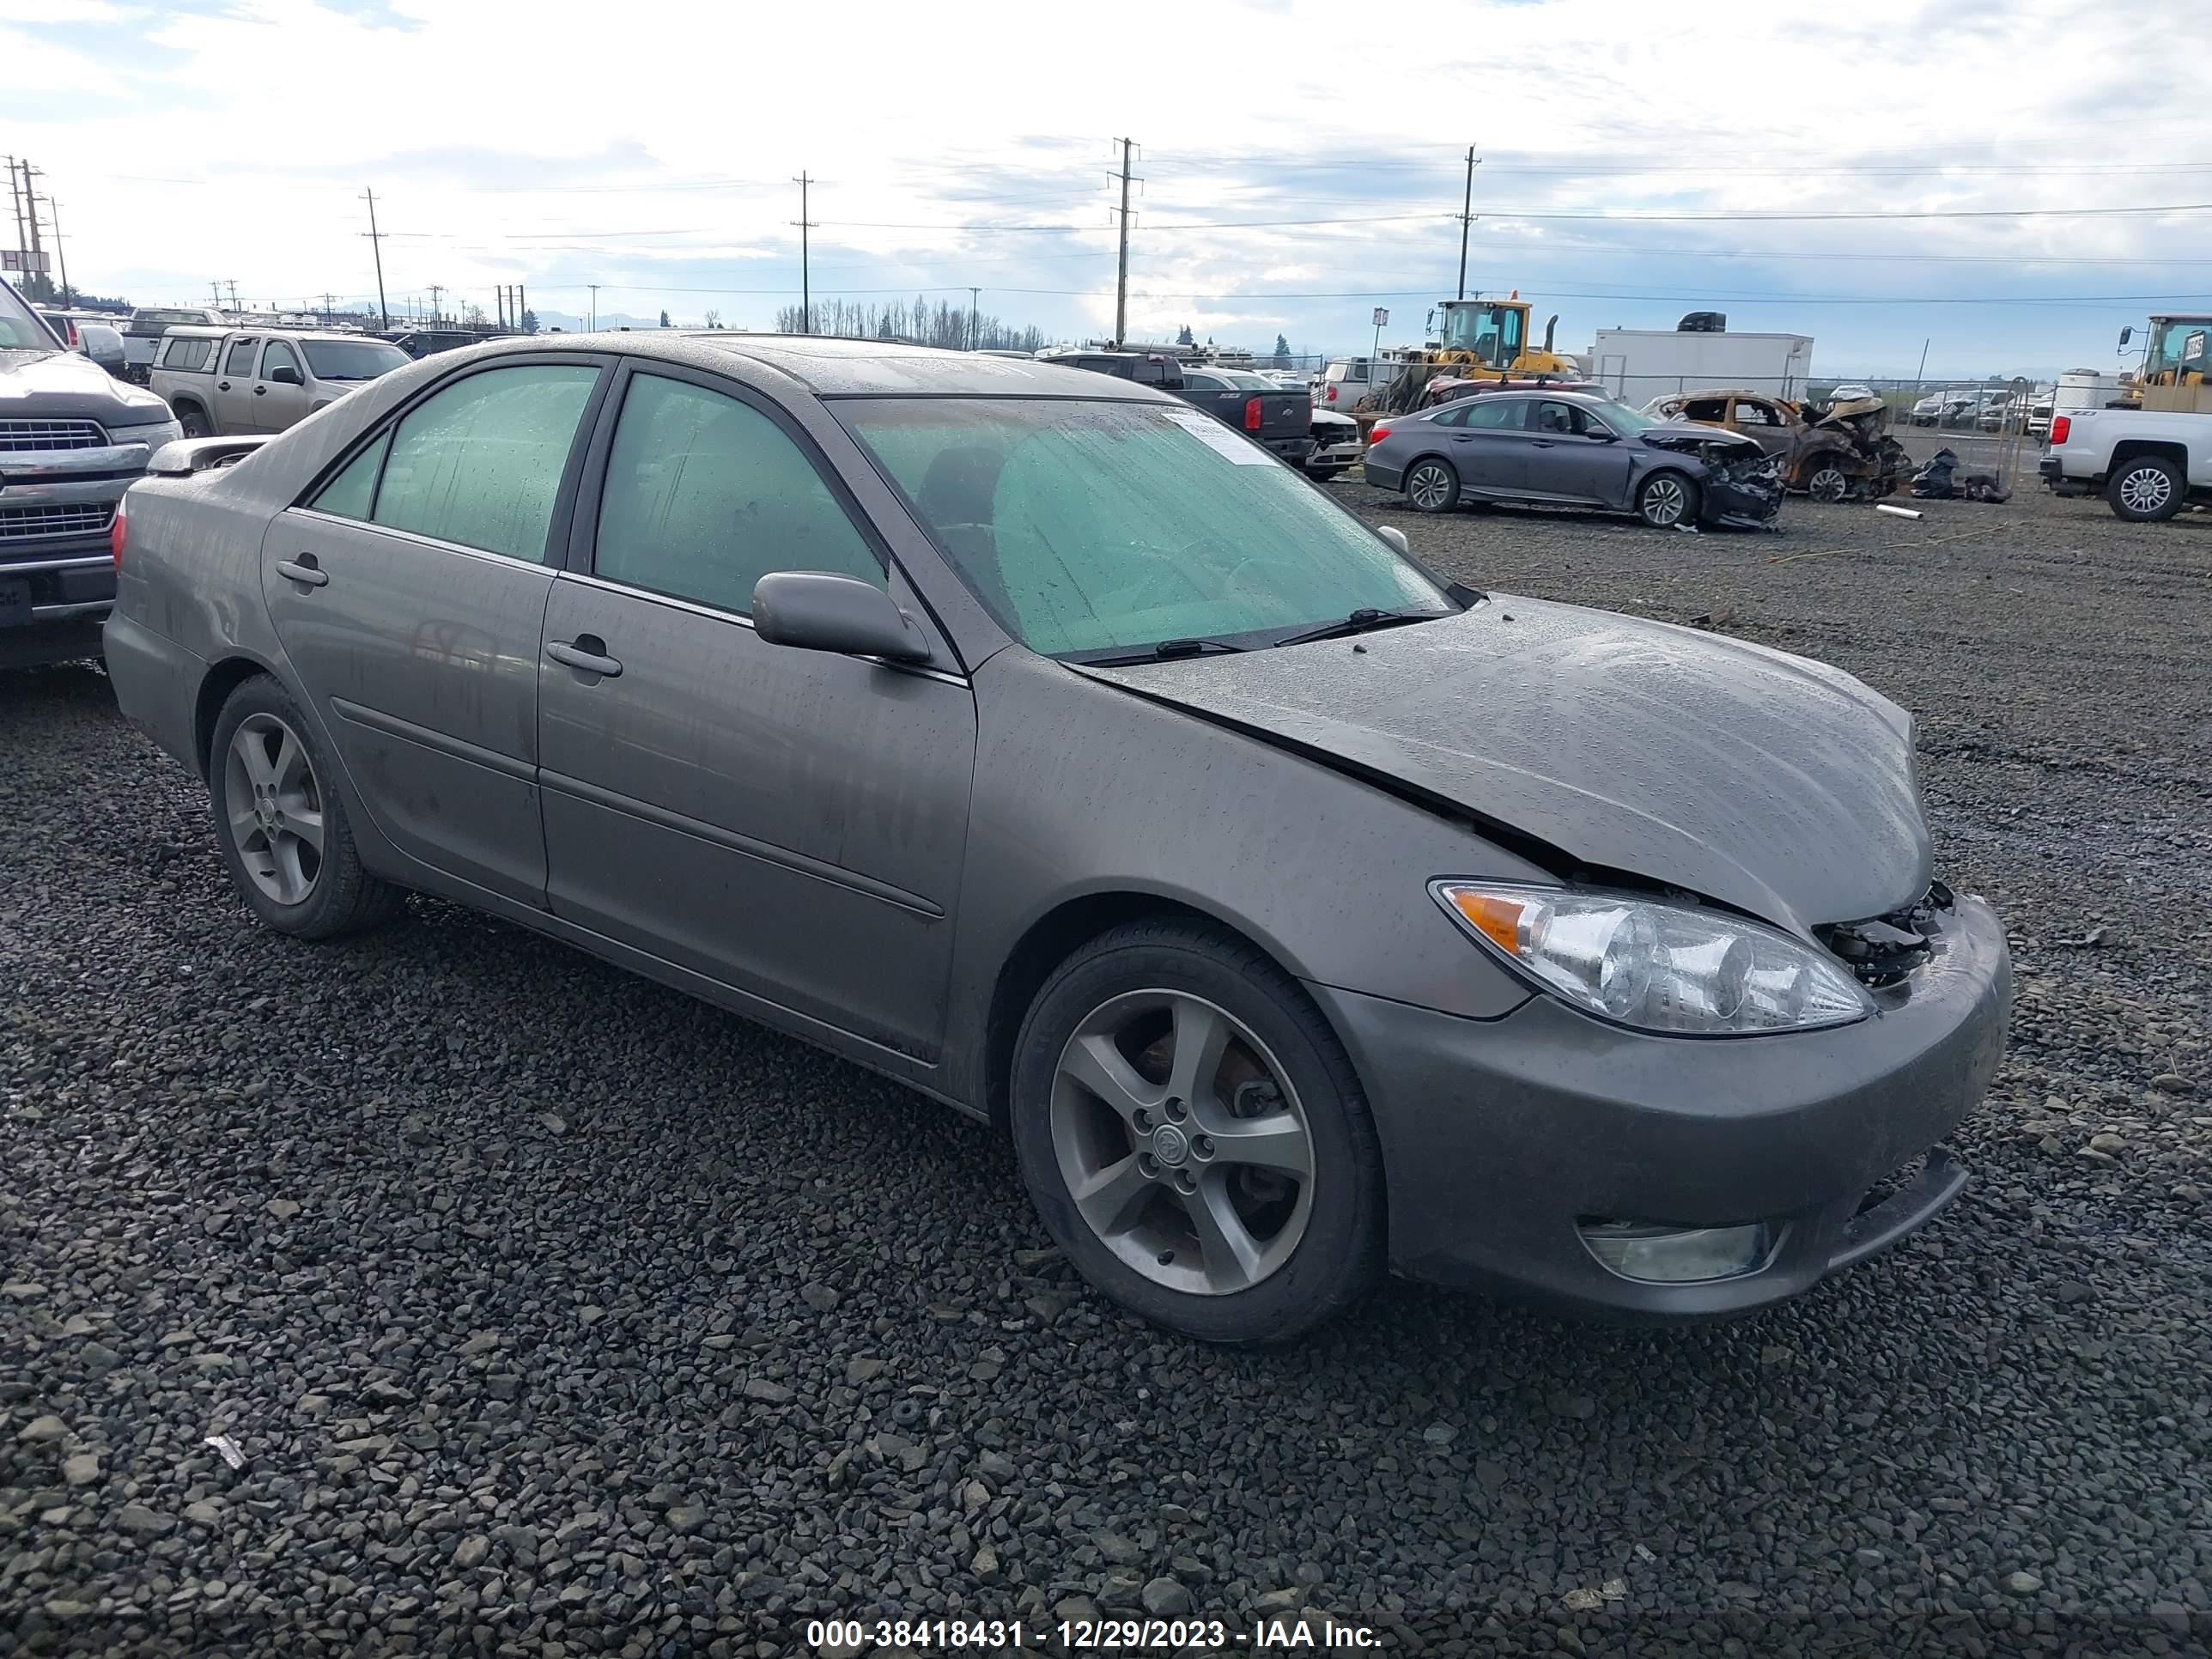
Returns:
point(19, 328)
point(1621, 418)
point(352, 360)
point(1092, 527)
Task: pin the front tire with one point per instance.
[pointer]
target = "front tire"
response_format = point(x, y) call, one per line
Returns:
point(1827, 483)
point(1431, 486)
point(1667, 499)
point(2146, 490)
point(281, 822)
point(1194, 1137)
point(195, 422)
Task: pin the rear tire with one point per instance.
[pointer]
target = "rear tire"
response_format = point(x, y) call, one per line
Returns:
point(1431, 486)
point(1186, 1083)
point(280, 821)
point(2146, 490)
point(1667, 499)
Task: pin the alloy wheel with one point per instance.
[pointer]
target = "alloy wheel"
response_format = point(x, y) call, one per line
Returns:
point(1181, 1142)
point(1664, 502)
point(275, 808)
point(2146, 490)
point(1828, 484)
point(1430, 486)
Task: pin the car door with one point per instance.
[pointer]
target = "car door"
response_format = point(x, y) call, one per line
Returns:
point(235, 411)
point(1488, 447)
point(1763, 423)
point(1575, 457)
point(409, 589)
point(789, 823)
point(279, 404)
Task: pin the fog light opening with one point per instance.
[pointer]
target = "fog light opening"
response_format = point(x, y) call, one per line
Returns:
point(1654, 1254)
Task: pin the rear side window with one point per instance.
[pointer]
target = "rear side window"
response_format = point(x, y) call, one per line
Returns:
point(1498, 414)
point(705, 495)
point(480, 462)
point(239, 360)
point(353, 492)
point(191, 356)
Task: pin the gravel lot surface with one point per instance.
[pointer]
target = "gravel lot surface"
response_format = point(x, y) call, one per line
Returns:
point(549, 1313)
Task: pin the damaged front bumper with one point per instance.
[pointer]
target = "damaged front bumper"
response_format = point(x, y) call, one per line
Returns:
point(1746, 493)
point(1508, 1142)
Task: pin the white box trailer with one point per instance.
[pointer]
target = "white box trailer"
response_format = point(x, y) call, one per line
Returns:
point(1638, 364)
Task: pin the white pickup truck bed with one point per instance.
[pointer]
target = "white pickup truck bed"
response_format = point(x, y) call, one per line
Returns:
point(2148, 465)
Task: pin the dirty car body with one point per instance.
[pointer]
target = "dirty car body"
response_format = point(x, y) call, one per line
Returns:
point(1845, 453)
point(1025, 737)
point(1553, 448)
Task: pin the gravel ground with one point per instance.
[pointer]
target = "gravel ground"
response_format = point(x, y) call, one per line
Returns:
point(549, 1313)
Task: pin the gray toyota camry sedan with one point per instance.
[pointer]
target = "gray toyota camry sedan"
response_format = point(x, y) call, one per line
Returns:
point(1042, 743)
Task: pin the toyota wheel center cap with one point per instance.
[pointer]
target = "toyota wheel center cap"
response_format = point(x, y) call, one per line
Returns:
point(1170, 1145)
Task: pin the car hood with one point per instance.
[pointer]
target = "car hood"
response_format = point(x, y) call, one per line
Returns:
point(1773, 783)
point(1676, 427)
point(67, 384)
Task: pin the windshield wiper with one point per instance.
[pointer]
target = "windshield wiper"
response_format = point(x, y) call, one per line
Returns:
point(1165, 651)
point(1365, 620)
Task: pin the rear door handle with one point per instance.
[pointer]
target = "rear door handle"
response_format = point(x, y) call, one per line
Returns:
point(258, 390)
point(587, 654)
point(303, 570)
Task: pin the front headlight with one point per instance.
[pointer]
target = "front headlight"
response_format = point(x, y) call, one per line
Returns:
point(1658, 967)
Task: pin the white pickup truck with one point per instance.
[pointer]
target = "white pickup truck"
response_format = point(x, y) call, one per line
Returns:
point(2148, 465)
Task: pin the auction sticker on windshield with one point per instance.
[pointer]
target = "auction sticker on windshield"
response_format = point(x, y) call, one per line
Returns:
point(1218, 438)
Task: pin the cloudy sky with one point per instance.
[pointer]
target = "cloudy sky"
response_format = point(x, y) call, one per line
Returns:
point(1877, 174)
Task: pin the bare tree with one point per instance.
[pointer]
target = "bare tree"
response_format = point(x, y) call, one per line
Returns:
point(713, 319)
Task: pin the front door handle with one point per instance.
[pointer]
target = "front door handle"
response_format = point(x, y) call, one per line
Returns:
point(223, 385)
point(1546, 443)
point(303, 570)
point(587, 654)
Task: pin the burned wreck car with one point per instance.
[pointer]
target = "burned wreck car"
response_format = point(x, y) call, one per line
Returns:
point(1840, 453)
point(1024, 735)
point(1573, 449)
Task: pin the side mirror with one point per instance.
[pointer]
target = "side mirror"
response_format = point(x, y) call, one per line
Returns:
point(1603, 437)
point(2127, 334)
point(815, 610)
point(1397, 537)
point(285, 375)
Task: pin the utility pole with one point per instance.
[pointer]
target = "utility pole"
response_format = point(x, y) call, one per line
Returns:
point(214, 294)
point(376, 246)
point(1121, 276)
point(1466, 220)
point(594, 287)
point(16, 197)
point(39, 282)
point(975, 319)
point(521, 303)
point(805, 274)
point(436, 288)
point(232, 283)
point(60, 253)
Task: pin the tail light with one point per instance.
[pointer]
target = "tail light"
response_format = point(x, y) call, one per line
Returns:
point(1251, 414)
point(1377, 433)
point(73, 339)
point(2060, 426)
point(1332, 394)
point(115, 536)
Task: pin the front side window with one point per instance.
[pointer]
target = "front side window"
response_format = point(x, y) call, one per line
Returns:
point(1089, 528)
point(278, 354)
point(480, 462)
point(705, 495)
point(1751, 414)
point(239, 360)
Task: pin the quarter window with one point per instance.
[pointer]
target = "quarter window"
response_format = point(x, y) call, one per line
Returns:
point(481, 461)
point(705, 495)
point(239, 360)
point(353, 492)
point(193, 354)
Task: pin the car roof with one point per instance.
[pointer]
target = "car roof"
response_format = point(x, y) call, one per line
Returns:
point(832, 367)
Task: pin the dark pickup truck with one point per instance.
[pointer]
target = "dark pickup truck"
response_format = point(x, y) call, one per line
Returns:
point(1275, 419)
